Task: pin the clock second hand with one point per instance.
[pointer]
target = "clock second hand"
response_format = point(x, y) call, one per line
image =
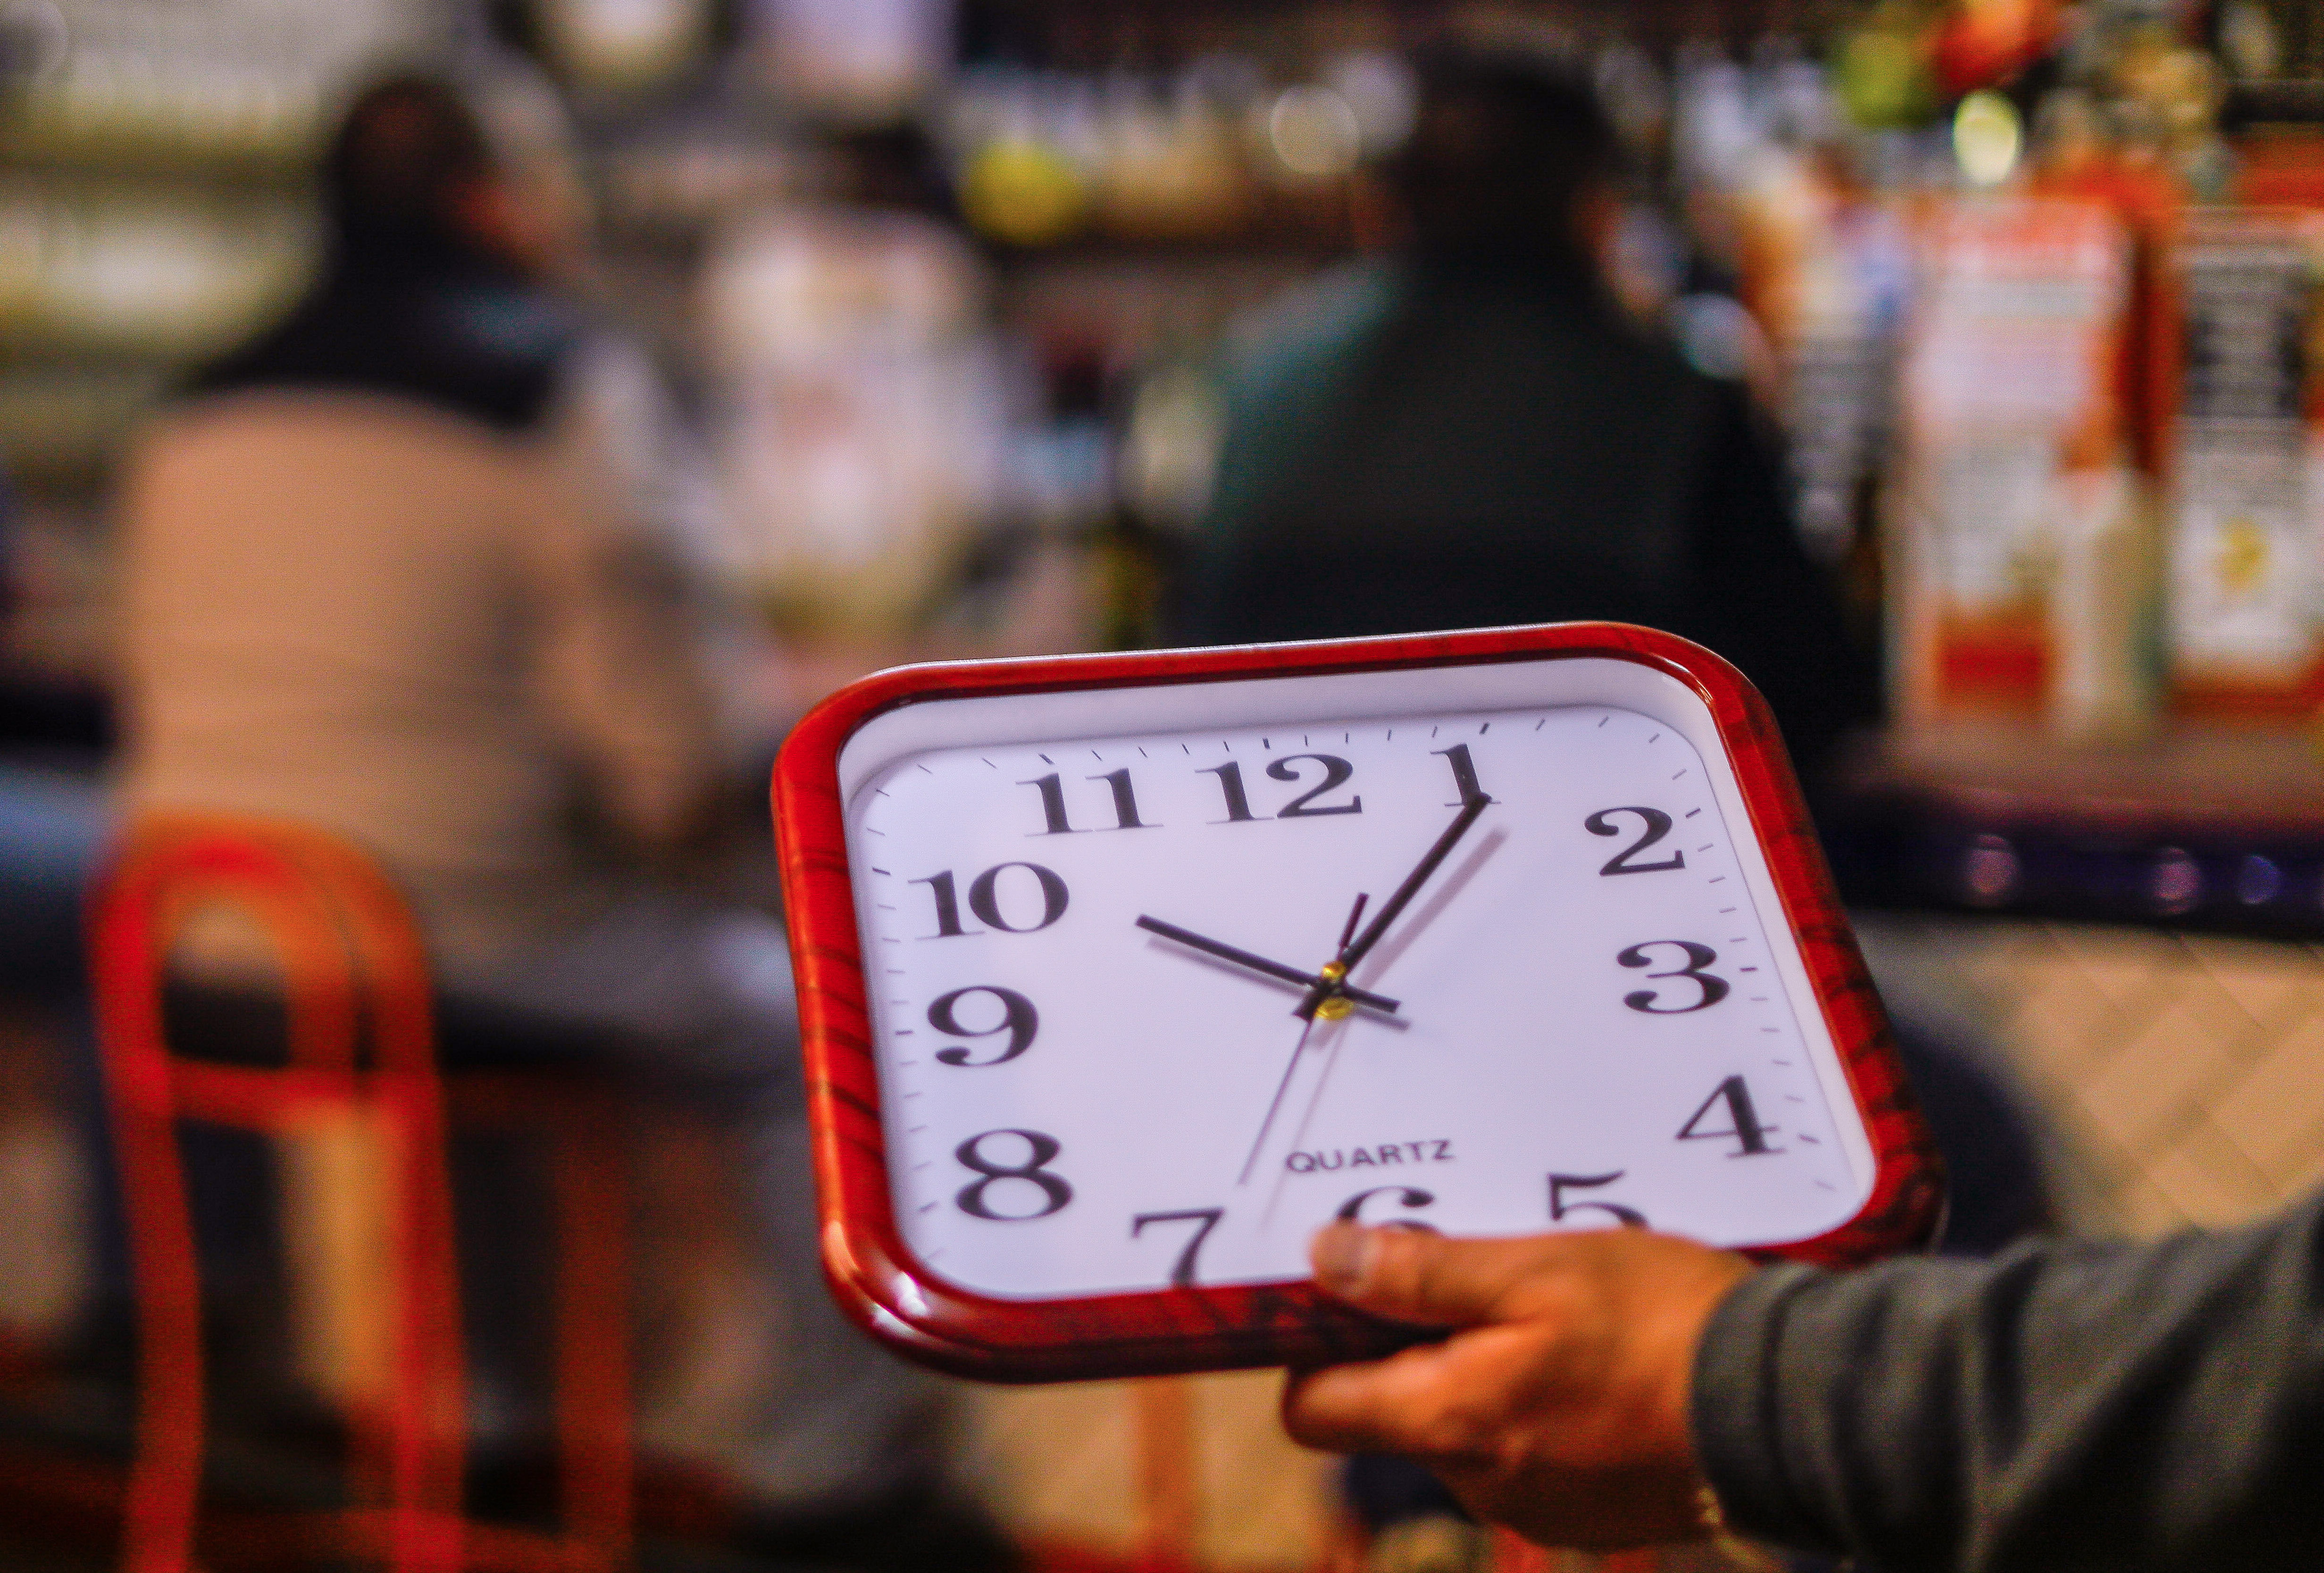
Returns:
point(1307, 1029)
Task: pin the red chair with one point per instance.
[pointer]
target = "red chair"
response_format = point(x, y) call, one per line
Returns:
point(361, 1043)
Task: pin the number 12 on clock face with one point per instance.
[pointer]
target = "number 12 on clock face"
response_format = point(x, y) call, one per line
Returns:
point(1161, 979)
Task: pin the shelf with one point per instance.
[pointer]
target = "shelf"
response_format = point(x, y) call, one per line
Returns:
point(2211, 827)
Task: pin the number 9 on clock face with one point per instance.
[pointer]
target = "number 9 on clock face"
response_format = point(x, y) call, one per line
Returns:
point(1122, 976)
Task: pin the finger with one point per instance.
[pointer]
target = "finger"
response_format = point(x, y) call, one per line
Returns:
point(1395, 1405)
point(1411, 1275)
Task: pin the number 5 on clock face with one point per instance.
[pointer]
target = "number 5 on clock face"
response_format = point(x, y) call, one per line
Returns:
point(1150, 978)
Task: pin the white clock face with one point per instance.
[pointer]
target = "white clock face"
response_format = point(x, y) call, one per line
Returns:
point(1088, 939)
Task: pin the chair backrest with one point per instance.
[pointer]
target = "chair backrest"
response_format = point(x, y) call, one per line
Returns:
point(356, 993)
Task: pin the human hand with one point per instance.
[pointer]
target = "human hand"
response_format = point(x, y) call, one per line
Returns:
point(1559, 1405)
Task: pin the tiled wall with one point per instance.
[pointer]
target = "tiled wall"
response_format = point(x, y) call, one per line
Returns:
point(2179, 1077)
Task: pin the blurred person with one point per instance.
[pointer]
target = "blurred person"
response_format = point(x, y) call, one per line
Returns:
point(414, 567)
point(1471, 431)
point(2067, 1406)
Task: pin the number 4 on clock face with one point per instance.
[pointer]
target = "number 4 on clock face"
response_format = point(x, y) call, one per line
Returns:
point(1158, 978)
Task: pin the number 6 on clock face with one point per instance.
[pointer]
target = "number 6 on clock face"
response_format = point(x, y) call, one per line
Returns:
point(1122, 975)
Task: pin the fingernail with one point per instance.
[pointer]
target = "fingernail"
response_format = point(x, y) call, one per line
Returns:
point(1343, 1256)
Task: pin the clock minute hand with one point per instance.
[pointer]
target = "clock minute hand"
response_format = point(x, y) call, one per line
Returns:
point(1188, 937)
point(1331, 982)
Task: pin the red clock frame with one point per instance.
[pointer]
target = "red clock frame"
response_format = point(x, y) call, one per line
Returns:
point(891, 1295)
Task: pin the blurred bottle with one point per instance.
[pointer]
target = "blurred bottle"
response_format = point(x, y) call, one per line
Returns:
point(859, 411)
point(2103, 609)
point(1171, 168)
point(850, 62)
point(619, 49)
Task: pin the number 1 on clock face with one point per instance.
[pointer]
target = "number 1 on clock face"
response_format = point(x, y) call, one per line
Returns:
point(1116, 1052)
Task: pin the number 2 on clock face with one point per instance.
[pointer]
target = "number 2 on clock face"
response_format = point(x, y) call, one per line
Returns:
point(1111, 1058)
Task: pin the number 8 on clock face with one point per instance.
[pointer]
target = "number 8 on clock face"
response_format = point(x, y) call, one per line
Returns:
point(1122, 975)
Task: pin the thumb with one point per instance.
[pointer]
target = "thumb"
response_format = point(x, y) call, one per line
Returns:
point(1413, 1275)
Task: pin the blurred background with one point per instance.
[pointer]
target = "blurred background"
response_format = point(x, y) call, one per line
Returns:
point(944, 299)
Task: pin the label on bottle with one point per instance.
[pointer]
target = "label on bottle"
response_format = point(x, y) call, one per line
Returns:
point(2244, 593)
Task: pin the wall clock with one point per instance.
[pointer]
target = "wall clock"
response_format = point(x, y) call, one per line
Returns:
point(1120, 975)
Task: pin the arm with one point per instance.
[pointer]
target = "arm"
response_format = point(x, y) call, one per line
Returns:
point(2064, 1406)
point(2138, 1408)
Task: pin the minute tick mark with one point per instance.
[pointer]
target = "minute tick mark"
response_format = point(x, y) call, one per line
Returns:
point(1690, 813)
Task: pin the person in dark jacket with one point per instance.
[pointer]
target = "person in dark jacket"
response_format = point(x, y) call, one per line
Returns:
point(1470, 431)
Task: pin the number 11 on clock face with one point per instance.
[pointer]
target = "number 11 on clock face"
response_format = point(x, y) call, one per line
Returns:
point(1151, 1006)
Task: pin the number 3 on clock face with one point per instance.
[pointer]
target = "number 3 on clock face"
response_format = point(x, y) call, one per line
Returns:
point(1122, 975)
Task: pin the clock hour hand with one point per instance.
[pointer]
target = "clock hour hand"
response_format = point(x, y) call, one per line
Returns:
point(1331, 982)
point(1188, 937)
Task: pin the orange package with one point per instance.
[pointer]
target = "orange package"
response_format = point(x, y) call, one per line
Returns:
point(2012, 427)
